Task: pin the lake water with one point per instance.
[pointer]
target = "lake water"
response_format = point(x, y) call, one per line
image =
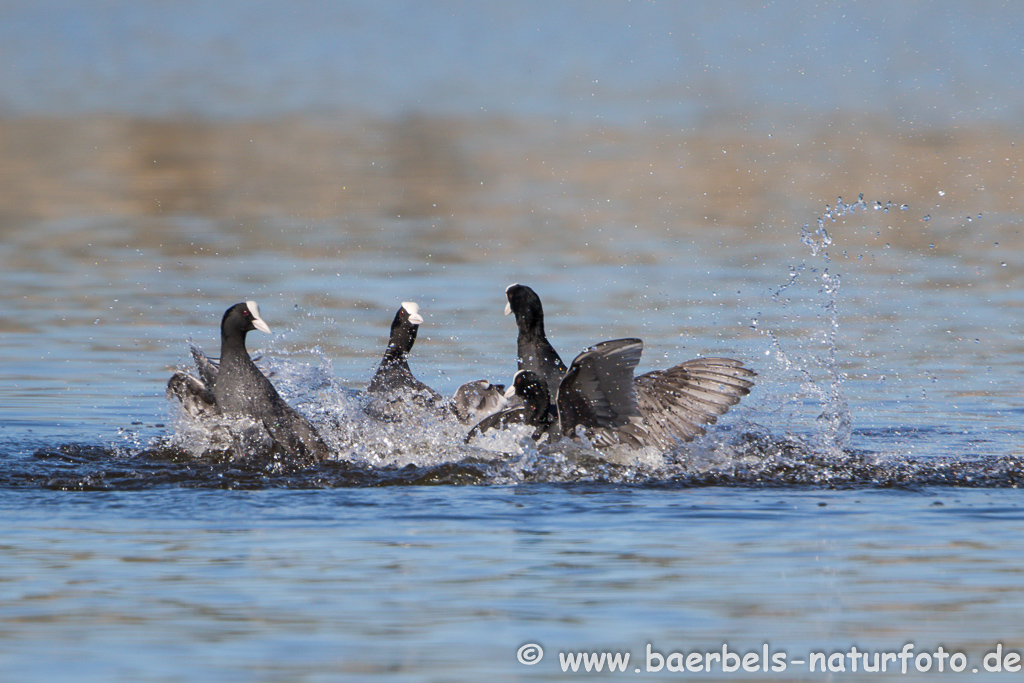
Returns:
point(830, 193)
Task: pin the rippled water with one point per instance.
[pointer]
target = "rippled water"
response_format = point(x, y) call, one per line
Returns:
point(845, 220)
point(416, 583)
point(876, 364)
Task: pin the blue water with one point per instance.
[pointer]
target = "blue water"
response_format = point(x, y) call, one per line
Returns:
point(689, 175)
point(920, 63)
point(447, 583)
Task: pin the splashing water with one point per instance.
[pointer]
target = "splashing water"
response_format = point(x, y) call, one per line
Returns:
point(766, 440)
point(814, 359)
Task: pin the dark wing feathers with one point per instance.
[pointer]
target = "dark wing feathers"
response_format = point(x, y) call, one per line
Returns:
point(598, 394)
point(677, 402)
point(598, 389)
point(206, 367)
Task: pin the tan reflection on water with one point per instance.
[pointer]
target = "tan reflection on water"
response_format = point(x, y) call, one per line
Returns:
point(477, 175)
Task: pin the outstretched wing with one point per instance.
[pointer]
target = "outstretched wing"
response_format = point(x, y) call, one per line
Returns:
point(597, 393)
point(676, 403)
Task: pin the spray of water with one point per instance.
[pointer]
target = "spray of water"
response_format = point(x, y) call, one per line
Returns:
point(771, 444)
point(425, 438)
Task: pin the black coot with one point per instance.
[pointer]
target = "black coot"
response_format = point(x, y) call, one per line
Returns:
point(236, 387)
point(397, 390)
point(673, 405)
point(596, 393)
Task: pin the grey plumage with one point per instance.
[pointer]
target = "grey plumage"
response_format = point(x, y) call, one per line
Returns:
point(396, 391)
point(206, 367)
point(394, 373)
point(237, 388)
point(672, 405)
point(596, 393)
point(476, 400)
point(676, 403)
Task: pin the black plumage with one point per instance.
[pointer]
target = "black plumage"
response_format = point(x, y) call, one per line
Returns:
point(534, 409)
point(672, 405)
point(596, 393)
point(396, 390)
point(535, 352)
point(393, 373)
point(236, 388)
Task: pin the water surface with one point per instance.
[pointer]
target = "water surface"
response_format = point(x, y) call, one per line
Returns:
point(828, 192)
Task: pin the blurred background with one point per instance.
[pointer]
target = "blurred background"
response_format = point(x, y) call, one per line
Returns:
point(737, 111)
point(159, 161)
point(829, 191)
point(258, 108)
